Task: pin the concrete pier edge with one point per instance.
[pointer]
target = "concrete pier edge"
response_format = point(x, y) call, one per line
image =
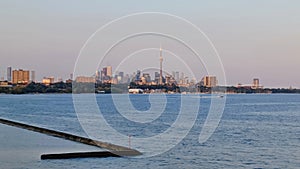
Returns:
point(97, 154)
point(114, 149)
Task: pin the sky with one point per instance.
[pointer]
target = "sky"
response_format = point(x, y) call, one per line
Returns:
point(254, 39)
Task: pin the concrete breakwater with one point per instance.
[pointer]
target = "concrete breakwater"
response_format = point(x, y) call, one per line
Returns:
point(115, 149)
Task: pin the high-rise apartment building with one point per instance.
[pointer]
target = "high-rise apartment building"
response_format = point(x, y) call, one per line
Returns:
point(210, 81)
point(20, 76)
point(109, 71)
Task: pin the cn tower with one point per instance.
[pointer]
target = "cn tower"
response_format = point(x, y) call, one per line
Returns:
point(160, 60)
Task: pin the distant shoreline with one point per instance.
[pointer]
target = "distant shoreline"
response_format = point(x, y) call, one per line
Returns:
point(152, 93)
point(69, 88)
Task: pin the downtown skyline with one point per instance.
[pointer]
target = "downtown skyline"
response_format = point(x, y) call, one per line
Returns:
point(254, 39)
point(121, 77)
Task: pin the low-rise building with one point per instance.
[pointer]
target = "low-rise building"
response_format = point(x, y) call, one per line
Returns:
point(48, 80)
point(85, 79)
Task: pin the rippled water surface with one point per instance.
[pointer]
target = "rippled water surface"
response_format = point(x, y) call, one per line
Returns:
point(256, 131)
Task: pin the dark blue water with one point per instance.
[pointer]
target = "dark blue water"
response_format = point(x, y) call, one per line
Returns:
point(256, 131)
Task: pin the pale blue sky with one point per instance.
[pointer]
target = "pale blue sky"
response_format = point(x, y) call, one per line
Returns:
point(258, 38)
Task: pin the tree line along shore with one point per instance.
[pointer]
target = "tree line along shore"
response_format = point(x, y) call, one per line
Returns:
point(62, 87)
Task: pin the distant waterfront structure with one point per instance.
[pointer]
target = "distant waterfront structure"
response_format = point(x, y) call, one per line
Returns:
point(135, 91)
point(177, 76)
point(98, 75)
point(33, 76)
point(173, 74)
point(9, 71)
point(121, 74)
point(181, 78)
point(48, 80)
point(120, 77)
point(109, 71)
point(147, 77)
point(114, 80)
point(137, 76)
point(106, 74)
point(256, 84)
point(156, 77)
point(20, 76)
point(85, 79)
point(168, 79)
point(160, 61)
point(126, 78)
point(5, 84)
point(209, 81)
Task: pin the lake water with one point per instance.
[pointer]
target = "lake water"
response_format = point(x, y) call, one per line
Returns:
point(255, 131)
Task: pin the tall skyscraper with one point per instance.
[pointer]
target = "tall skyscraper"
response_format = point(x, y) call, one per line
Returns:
point(9, 74)
point(20, 76)
point(109, 71)
point(156, 77)
point(121, 77)
point(33, 76)
point(160, 61)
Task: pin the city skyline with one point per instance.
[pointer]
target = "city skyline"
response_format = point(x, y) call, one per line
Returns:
point(106, 76)
point(254, 39)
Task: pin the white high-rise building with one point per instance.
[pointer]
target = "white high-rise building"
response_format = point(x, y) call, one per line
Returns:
point(9, 74)
point(33, 76)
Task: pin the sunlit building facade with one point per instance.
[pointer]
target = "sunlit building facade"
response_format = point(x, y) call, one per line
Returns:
point(20, 76)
